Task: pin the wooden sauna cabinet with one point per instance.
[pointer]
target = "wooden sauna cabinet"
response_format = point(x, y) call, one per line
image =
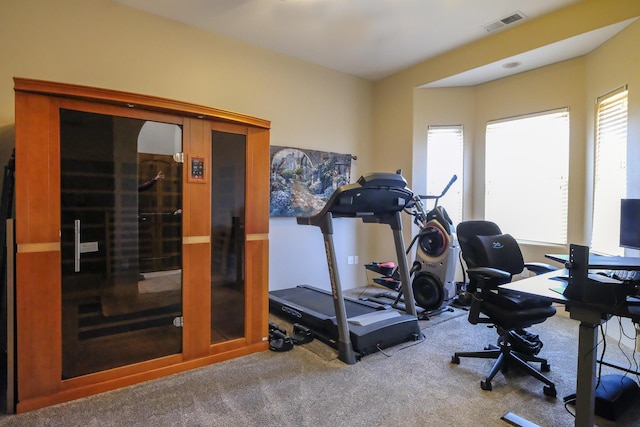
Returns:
point(118, 282)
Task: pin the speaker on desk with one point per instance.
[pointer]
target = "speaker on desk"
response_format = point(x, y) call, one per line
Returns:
point(435, 263)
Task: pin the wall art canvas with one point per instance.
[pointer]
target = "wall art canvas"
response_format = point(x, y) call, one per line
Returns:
point(303, 180)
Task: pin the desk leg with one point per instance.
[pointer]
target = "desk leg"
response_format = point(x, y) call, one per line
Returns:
point(587, 356)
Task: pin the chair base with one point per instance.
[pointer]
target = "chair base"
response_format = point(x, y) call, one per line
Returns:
point(506, 357)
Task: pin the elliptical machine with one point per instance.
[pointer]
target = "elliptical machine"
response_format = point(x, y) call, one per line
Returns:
point(434, 267)
point(433, 270)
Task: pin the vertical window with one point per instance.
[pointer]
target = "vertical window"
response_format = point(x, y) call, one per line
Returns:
point(445, 159)
point(526, 175)
point(610, 174)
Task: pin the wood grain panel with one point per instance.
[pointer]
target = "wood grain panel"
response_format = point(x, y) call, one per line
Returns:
point(226, 346)
point(257, 181)
point(123, 371)
point(39, 335)
point(196, 300)
point(153, 103)
point(37, 161)
point(257, 276)
point(230, 128)
point(196, 209)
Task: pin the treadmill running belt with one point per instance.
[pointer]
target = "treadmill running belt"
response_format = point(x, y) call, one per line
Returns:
point(315, 300)
point(314, 308)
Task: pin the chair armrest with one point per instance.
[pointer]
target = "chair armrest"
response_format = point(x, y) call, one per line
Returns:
point(487, 273)
point(479, 276)
point(539, 267)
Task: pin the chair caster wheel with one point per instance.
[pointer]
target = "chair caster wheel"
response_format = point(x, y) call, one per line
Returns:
point(549, 391)
point(455, 359)
point(544, 367)
point(486, 385)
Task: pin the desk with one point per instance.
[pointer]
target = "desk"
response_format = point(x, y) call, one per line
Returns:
point(602, 261)
point(590, 317)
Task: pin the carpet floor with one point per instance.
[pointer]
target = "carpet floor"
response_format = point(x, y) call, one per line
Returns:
point(412, 384)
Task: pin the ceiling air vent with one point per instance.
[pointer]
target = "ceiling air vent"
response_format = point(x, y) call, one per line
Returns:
point(507, 20)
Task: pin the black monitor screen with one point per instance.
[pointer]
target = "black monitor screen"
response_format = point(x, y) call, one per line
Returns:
point(630, 223)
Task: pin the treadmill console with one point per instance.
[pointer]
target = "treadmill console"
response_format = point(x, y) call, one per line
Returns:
point(382, 179)
point(374, 197)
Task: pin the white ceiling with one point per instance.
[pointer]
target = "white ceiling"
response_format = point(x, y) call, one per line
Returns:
point(374, 38)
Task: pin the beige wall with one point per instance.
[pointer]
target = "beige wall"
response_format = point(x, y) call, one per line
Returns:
point(393, 99)
point(614, 64)
point(575, 84)
point(399, 99)
point(555, 86)
point(442, 106)
point(102, 43)
point(105, 44)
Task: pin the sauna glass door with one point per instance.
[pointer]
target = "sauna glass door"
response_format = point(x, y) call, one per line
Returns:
point(121, 222)
point(228, 189)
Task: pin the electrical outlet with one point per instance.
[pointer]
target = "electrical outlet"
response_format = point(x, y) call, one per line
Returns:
point(355, 259)
point(350, 259)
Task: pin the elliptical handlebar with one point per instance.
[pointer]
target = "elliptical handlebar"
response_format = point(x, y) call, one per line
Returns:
point(418, 209)
point(446, 188)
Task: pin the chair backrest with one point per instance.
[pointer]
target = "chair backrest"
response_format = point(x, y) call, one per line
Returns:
point(483, 244)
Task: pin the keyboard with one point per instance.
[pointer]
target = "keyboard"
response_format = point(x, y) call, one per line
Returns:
point(593, 277)
point(627, 276)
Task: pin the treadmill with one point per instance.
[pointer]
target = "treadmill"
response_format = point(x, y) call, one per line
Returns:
point(356, 328)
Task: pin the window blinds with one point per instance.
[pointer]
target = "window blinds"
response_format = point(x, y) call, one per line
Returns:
point(610, 174)
point(445, 159)
point(527, 175)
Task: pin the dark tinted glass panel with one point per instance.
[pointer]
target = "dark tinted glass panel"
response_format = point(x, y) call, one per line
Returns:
point(121, 252)
point(228, 173)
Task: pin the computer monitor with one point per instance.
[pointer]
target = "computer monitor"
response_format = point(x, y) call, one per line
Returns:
point(630, 223)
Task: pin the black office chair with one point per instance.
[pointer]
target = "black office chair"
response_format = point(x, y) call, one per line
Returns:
point(492, 258)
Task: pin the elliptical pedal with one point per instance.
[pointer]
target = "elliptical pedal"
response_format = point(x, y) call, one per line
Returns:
point(385, 268)
point(388, 282)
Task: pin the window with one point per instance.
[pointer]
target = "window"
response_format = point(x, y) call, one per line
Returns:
point(527, 175)
point(444, 159)
point(610, 174)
